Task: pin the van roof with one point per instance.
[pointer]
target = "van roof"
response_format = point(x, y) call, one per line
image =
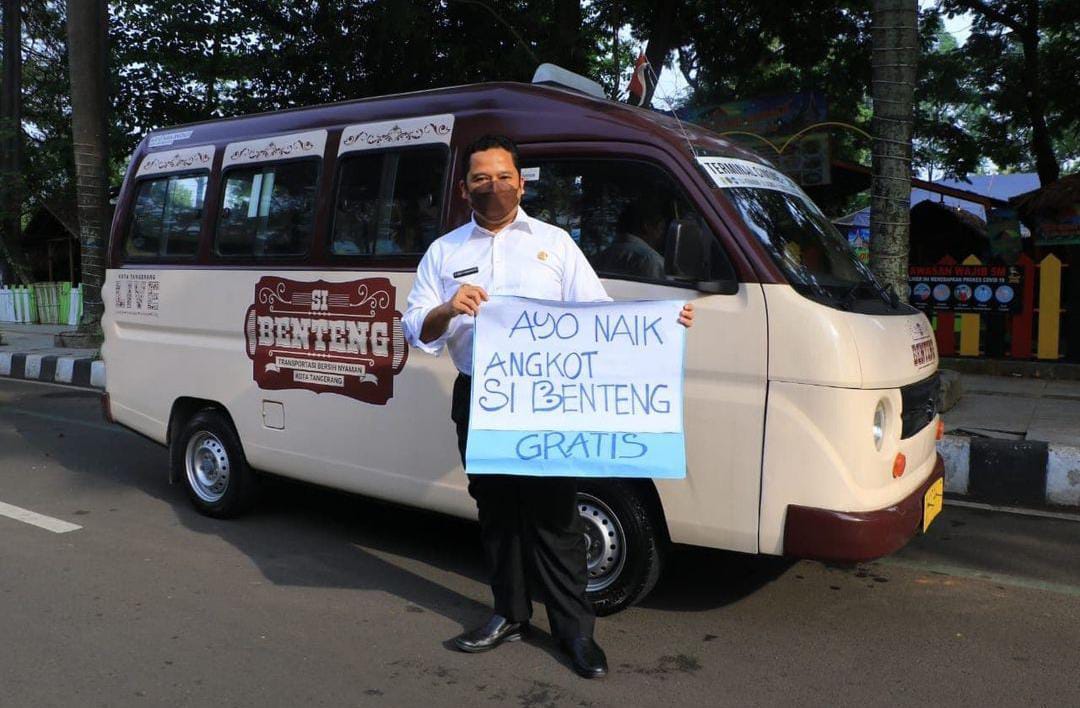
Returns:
point(528, 112)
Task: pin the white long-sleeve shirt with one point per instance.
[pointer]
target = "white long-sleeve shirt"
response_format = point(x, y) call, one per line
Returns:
point(527, 258)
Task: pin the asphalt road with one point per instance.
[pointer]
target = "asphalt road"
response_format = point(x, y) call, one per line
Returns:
point(320, 598)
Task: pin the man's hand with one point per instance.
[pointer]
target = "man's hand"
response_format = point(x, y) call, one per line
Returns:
point(466, 300)
point(686, 317)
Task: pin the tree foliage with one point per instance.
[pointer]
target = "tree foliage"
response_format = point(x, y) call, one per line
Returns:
point(172, 63)
point(1018, 68)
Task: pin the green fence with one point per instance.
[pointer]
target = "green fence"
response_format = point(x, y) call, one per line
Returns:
point(42, 303)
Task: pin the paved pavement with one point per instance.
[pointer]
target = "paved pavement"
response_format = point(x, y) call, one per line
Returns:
point(1013, 408)
point(38, 339)
point(320, 598)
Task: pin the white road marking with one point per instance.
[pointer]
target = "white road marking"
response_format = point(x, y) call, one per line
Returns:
point(35, 519)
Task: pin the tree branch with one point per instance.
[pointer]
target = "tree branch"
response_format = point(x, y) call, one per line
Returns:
point(993, 14)
point(506, 24)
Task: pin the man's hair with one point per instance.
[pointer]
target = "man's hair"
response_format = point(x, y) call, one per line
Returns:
point(487, 142)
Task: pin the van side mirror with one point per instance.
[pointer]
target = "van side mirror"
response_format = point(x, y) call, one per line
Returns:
point(687, 257)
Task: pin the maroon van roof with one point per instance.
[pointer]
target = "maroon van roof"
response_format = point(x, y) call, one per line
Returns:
point(527, 112)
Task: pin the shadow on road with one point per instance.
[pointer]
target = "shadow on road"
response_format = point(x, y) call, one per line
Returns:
point(699, 579)
point(303, 535)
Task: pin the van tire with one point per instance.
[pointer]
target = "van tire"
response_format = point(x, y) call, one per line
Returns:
point(624, 513)
point(206, 456)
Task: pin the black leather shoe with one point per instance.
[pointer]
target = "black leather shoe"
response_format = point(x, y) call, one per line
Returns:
point(587, 657)
point(497, 630)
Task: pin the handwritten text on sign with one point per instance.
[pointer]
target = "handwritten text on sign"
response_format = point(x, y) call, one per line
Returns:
point(586, 390)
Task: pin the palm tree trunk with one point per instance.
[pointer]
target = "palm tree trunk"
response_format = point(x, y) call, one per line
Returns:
point(87, 22)
point(892, 90)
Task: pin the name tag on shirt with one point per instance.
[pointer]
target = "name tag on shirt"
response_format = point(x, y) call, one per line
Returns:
point(467, 271)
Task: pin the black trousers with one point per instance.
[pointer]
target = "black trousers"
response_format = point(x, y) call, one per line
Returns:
point(534, 539)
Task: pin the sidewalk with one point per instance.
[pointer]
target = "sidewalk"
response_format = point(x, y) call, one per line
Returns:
point(1013, 408)
point(1014, 441)
point(29, 352)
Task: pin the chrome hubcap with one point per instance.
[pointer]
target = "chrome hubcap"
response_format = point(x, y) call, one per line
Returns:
point(207, 466)
point(605, 542)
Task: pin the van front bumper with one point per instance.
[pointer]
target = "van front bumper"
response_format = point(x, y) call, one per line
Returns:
point(853, 536)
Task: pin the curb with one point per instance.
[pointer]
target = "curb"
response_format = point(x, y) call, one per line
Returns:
point(1049, 370)
point(952, 389)
point(74, 371)
point(1024, 473)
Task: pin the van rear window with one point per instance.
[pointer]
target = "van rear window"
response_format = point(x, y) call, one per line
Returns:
point(389, 203)
point(267, 210)
point(167, 217)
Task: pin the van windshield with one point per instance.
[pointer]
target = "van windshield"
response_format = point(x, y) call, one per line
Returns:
point(815, 258)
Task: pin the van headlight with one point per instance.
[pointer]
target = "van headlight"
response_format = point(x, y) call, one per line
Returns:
point(880, 419)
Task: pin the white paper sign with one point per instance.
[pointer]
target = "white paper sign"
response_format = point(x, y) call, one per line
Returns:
point(579, 389)
point(729, 173)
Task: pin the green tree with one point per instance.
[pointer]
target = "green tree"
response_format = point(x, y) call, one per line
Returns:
point(946, 103)
point(1023, 57)
point(11, 142)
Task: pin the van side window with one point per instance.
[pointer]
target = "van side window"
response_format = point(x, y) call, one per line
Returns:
point(267, 210)
point(167, 217)
point(626, 216)
point(389, 203)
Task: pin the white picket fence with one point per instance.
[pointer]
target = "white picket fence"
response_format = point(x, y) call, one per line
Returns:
point(75, 306)
point(19, 305)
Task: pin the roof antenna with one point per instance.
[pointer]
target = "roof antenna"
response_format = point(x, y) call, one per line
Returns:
point(670, 107)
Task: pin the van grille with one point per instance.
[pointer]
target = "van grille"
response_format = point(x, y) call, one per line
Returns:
point(920, 403)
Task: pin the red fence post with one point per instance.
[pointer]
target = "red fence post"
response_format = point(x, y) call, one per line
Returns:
point(1021, 322)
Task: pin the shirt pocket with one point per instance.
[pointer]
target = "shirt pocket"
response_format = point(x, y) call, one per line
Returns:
point(540, 279)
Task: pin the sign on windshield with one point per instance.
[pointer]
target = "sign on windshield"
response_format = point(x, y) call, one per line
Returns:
point(732, 173)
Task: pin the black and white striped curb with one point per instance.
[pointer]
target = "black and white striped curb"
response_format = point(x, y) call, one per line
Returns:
point(1023, 473)
point(77, 371)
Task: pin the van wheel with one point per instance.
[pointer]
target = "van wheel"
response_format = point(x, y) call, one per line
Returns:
point(207, 456)
point(626, 546)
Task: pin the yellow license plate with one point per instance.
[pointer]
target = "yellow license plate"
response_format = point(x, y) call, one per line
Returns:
point(932, 503)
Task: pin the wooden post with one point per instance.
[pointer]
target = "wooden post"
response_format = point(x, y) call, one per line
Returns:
point(1020, 347)
point(1049, 307)
point(969, 323)
point(946, 321)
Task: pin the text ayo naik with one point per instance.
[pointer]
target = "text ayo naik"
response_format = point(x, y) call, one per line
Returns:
point(554, 445)
point(344, 336)
point(635, 330)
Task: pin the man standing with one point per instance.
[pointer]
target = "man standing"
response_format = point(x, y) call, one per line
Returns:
point(534, 539)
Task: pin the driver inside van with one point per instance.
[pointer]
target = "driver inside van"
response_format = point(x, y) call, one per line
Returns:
point(532, 533)
point(637, 249)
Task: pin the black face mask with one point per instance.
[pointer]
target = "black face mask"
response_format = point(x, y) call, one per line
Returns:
point(494, 201)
